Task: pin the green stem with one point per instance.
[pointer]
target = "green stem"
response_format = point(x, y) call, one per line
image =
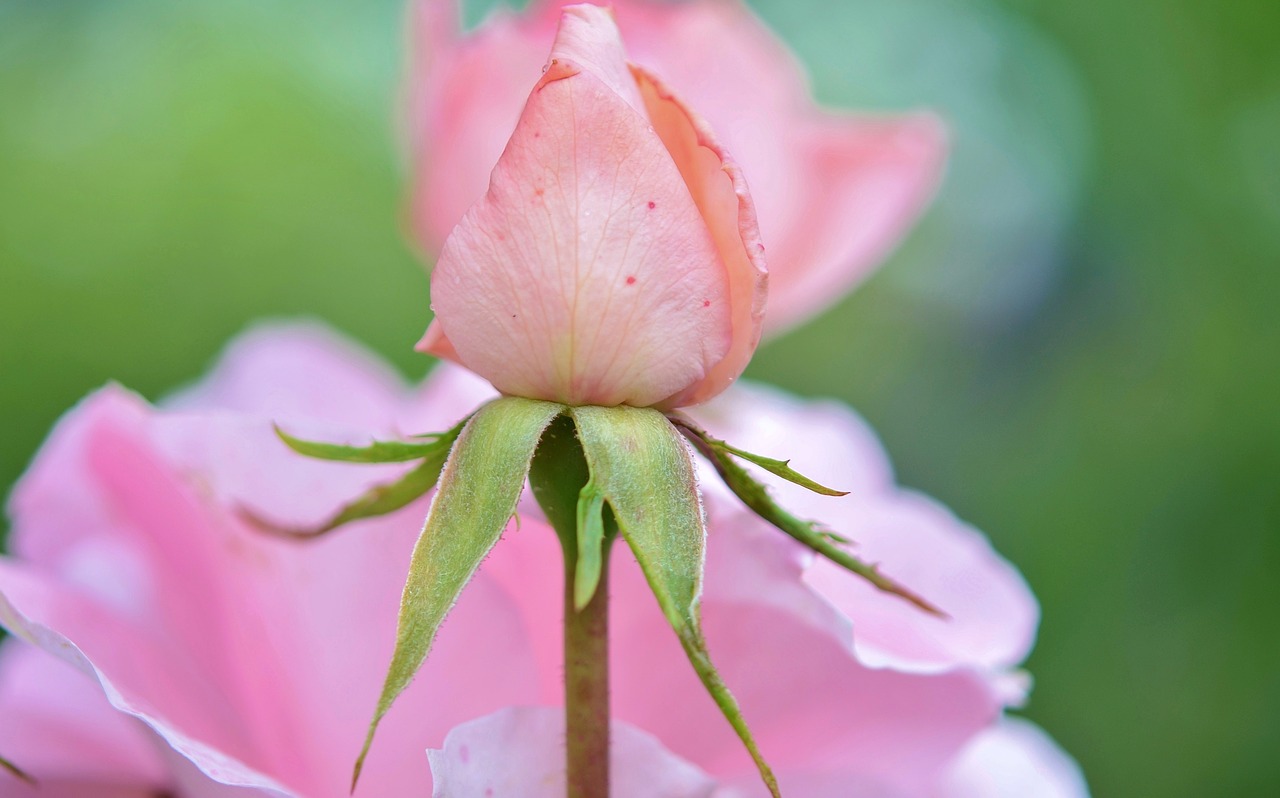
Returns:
point(558, 476)
point(586, 684)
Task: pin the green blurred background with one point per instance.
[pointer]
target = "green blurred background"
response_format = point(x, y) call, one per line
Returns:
point(1077, 350)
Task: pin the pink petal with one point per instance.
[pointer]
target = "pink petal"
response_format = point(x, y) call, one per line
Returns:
point(916, 541)
point(585, 274)
point(445, 397)
point(1014, 759)
point(720, 191)
point(853, 189)
point(307, 374)
point(222, 639)
point(993, 615)
point(810, 705)
point(32, 606)
point(61, 729)
point(298, 371)
point(748, 67)
point(519, 753)
point(528, 566)
point(588, 37)
point(463, 105)
point(749, 562)
point(434, 342)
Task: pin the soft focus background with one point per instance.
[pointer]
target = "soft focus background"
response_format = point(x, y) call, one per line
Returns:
point(1079, 350)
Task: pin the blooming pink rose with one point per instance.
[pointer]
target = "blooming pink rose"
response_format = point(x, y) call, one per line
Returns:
point(615, 257)
point(833, 192)
point(199, 656)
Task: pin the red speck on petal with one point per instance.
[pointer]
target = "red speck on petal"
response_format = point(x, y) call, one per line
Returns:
point(631, 280)
point(538, 192)
point(652, 205)
point(706, 303)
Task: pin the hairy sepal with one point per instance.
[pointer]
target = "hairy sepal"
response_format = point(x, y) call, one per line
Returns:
point(382, 499)
point(643, 469)
point(379, 500)
point(830, 545)
point(590, 545)
point(779, 468)
point(425, 446)
point(479, 490)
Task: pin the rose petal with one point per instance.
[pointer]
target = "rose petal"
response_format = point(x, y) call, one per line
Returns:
point(463, 105)
point(32, 606)
point(1014, 759)
point(61, 729)
point(720, 191)
point(993, 614)
point(809, 704)
point(853, 189)
point(222, 638)
point(588, 37)
point(298, 371)
point(519, 753)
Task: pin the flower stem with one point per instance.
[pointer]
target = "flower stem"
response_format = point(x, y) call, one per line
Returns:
point(586, 684)
point(558, 475)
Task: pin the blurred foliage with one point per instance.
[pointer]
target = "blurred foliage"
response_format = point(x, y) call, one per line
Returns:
point(1077, 351)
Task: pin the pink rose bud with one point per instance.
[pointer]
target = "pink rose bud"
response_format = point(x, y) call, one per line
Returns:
point(615, 258)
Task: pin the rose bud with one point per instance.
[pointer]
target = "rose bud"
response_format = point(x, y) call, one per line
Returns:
point(615, 258)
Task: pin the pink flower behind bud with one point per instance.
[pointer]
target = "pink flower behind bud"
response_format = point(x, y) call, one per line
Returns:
point(201, 656)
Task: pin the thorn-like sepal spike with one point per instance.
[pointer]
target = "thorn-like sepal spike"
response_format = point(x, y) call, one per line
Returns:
point(810, 533)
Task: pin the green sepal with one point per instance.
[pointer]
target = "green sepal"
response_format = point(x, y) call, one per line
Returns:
point(556, 477)
point(590, 545)
point(479, 490)
point(17, 772)
point(378, 500)
point(780, 468)
point(379, 451)
point(810, 533)
point(644, 471)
